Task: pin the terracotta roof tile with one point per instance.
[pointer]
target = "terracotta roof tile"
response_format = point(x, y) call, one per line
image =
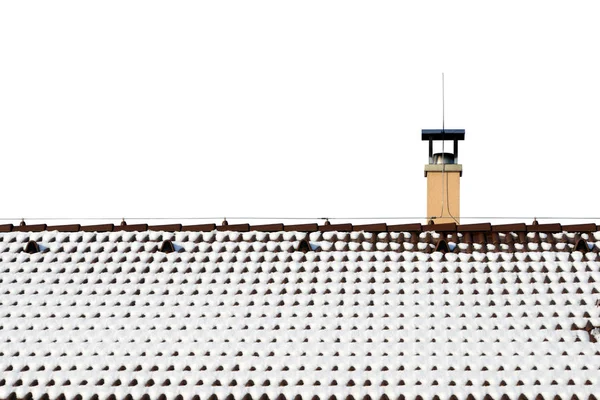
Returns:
point(550, 228)
point(484, 227)
point(580, 228)
point(167, 228)
point(301, 228)
point(30, 228)
point(267, 228)
point(370, 228)
point(132, 228)
point(336, 228)
point(449, 227)
point(199, 228)
point(65, 228)
point(234, 228)
point(405, 228)
point(98, 228)
point(510, 228)
point(6, 228)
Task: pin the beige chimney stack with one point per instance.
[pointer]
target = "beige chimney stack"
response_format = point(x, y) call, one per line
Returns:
point(443, 177)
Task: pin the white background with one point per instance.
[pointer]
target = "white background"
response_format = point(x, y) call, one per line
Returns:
point(295, 109)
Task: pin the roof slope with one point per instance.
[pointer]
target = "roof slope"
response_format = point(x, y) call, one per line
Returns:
point(246, 313)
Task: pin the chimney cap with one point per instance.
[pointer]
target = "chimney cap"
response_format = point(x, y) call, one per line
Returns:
point(442, 134)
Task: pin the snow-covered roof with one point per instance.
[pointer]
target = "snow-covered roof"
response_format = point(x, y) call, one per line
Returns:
point(247, 313)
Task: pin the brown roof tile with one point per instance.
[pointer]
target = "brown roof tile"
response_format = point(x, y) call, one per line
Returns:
point(6, 228)
point(336, 228)
point(371, 228)
point(65, 228)
point(481, 233)
point(267, 228)
point(234, 228)
point(449, 227)
point(199, 228)
point(485, 227)
point(509, 228)
point(132, 228)
point(98, 228)
point(582, 228)
point(405, 228)
point(166, 228)
point(301, 228)
point(549, 228)
point(30, 228)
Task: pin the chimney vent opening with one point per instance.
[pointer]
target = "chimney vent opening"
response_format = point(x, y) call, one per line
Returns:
point(443, 158)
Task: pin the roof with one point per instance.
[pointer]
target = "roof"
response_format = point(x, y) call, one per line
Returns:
point(309, 227)
point(483, 310)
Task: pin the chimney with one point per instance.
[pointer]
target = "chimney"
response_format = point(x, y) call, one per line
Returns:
point(443, 175)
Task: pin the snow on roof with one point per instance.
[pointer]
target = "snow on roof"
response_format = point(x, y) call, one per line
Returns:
point(245, 313)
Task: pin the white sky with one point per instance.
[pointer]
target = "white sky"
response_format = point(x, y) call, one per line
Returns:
point(294, 109)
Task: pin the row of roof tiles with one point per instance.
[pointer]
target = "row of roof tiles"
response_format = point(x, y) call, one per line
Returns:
point(312, 227)
point(146, 396)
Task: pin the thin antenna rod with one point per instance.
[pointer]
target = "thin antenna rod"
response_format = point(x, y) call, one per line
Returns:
point(445, 195)
point(443, 106)
point(443, 148)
